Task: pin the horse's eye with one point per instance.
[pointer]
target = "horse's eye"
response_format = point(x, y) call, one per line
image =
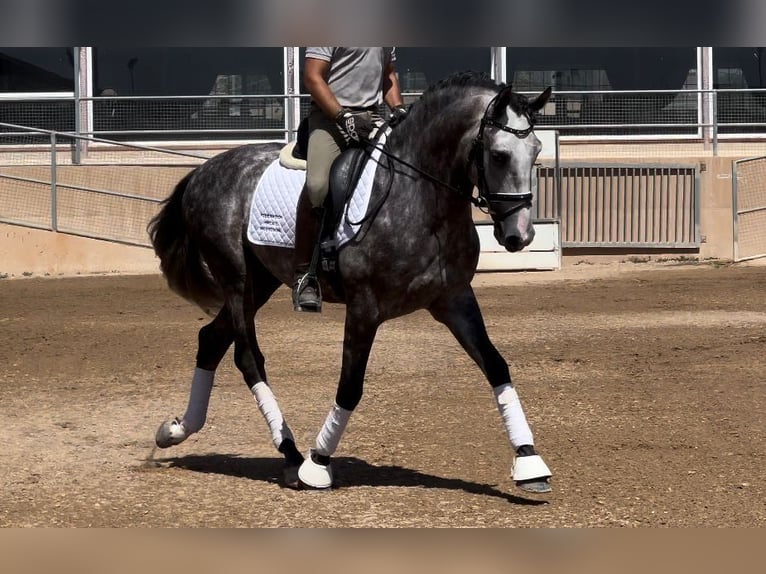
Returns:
point(499, 157)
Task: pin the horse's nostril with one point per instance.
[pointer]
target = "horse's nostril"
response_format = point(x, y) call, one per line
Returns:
point(514, 243)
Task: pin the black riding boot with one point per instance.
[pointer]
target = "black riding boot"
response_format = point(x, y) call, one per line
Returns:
point(307, 296)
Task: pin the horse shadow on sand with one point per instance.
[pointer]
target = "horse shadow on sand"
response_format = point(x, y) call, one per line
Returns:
point(349, 472)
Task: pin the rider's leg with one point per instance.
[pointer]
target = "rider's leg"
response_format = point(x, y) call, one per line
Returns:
point(325, 144)
point(306, 293)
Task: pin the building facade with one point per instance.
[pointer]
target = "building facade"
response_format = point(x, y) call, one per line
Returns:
point(182, 94)
point(661, 149)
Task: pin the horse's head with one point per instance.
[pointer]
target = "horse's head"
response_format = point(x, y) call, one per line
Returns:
point(504, 154)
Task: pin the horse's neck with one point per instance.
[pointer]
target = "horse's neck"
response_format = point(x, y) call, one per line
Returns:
point(433, 197)
point(440, 145)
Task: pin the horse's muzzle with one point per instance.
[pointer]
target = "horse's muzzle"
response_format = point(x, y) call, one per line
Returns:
point(513, 240)
point(514, 244)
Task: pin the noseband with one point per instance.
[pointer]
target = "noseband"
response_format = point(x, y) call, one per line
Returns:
point(476, 156)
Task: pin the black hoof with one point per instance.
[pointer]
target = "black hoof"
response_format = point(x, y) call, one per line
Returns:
point(293, 461)
point(535, 486)
point(307, 487)
point(292, 455)
point(290, 476)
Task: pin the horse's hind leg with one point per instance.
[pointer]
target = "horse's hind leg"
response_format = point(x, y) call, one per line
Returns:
point(234, 323)
point(214, 340)
point(463, 318)
point(259, 287)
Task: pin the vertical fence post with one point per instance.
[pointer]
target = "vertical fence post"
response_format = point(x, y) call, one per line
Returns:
point(54, 199)
point(498, 64)
point(291, 92)
point(76, 151)
point(715, 123)
point(557, 179)
point(734, 207)
point(704, 96)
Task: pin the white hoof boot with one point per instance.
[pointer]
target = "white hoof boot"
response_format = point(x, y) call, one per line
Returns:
point(170, 433)
point(531, 474)
point(314, 475)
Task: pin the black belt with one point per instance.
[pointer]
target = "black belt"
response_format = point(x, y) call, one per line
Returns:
point(351, 108)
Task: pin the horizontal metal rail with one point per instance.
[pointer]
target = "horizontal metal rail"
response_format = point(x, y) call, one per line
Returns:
point(83, 209)
point(580, 114)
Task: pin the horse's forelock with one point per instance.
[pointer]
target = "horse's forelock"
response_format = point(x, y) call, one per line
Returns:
point(518, 103)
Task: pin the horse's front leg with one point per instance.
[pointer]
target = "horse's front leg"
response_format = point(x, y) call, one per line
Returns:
point(463, 318)
point(360, 330)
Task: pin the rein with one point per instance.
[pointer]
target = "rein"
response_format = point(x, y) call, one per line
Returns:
point(477, 201)
point(475, 156)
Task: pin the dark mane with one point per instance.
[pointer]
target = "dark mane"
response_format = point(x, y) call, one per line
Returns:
point(465, 79)
point(456, 84)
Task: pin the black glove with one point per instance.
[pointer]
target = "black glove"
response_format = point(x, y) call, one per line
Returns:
point(397, 116)
point(356, 126)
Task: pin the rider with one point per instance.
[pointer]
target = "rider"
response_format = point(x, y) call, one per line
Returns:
point(346, 86)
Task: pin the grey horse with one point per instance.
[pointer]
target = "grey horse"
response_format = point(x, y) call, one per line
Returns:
point(417, 249)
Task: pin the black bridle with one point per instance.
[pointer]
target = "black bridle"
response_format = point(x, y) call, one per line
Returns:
point(476, 156)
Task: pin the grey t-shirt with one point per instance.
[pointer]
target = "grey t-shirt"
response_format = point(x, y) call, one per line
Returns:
point(356, 74)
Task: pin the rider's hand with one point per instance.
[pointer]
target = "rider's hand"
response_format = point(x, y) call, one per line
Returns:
point(356, 126)
point(397, 116)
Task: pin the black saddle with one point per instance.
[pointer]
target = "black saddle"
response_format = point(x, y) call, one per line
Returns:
point(344, 175)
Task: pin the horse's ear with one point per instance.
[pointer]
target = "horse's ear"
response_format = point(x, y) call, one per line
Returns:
point(538, 103)
point(501, 102)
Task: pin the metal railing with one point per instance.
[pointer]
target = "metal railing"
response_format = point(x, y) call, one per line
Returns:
point(611, 205)
point(45, 189)
point(598, 205)
point(697, 115)
point(749, 202)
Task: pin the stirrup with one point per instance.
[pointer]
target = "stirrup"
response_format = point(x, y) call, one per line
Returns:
point(313, 305)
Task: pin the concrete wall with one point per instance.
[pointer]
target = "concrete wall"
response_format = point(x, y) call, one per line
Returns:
point(716, 191)
point(24, 250)
point(33, 252)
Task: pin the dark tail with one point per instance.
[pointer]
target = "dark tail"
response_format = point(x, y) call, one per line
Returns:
point(180, 259)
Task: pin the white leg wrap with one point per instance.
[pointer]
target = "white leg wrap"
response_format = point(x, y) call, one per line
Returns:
point(269, 408)
point(513, 416)
point(199, 398)
point(332, 430)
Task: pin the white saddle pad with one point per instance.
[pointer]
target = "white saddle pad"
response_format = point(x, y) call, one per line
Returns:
point(275, 201)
